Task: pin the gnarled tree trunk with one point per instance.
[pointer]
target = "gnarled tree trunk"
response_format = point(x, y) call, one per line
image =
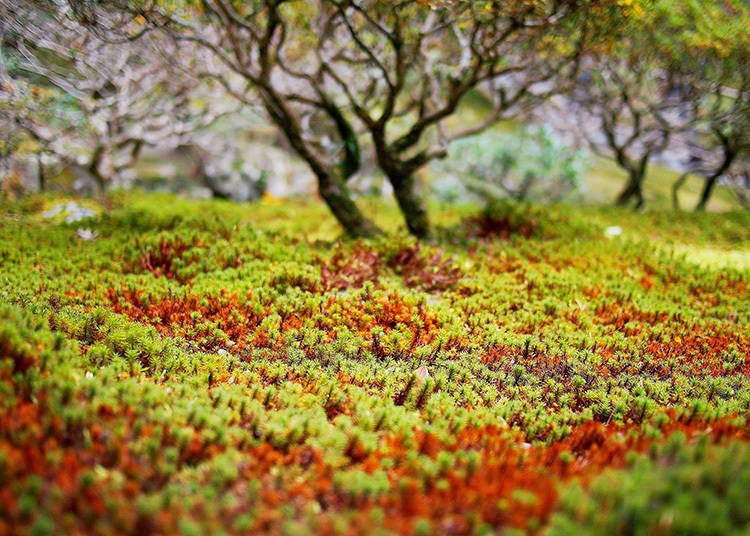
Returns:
point(336, 194)
point(411, 205)
point(678, 184)
point(332, 177)
point(634, 187)
point(633, 191)
point(728, 158)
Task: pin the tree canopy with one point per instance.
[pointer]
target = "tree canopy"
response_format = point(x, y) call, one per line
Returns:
point(357, 83)
point(345, 78)
point(94, 103)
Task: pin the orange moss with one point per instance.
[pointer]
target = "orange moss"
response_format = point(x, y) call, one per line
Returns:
point(351, 269)
point(699, 352)
point(236, 317)
point(490, 227)
point(35, 443)
point(387, 312)
point(428, 270)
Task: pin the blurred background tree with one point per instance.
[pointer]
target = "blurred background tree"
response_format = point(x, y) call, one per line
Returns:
point(359, 88)
point(341, 78)
point(709, 46)
point(92, 105)
point(674, 78)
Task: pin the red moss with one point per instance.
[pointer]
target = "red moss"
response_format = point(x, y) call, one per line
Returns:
point(190, 316)
point(177, 316)
point(160, 260)
point(386, 311)
point(699, 352)
point(35, 442)
point(435, 272)
point(503, 227)
point(429, 270)
point(697, 349)
point(351, 269)
point(493, 478)
point(490, 488)
point(624, 316)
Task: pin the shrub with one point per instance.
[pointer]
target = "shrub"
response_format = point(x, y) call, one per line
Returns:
point(534, 165)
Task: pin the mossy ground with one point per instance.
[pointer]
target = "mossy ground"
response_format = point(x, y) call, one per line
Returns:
point(211, 368)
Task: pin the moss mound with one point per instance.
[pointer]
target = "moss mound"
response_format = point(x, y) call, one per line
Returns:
point(214, 368)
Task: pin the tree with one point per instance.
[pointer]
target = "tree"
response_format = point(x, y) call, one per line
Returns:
point(717, 141)
point(90, 103)
point(713, 53)
point(674, 72)
point(341, 77)
point(739, 180)
point(628, 100)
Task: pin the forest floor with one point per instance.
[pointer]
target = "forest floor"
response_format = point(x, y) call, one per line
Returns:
point(172, 366)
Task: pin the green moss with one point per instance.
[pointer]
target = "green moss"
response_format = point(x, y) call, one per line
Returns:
point(212, 363)
point(680, 489)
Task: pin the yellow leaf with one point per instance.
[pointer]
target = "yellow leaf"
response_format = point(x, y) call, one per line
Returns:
point(270, 199)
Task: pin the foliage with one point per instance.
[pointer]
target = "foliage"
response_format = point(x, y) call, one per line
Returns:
point(357, 85)
point(535, 165)
point(671, 75)
point(191, 370)
point(345, 81)
point(90, 103)
point(709, 54)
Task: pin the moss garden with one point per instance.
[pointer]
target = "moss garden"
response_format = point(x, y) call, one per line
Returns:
point(182, 367)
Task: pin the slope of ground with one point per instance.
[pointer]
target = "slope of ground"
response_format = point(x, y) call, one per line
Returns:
point(207, 368)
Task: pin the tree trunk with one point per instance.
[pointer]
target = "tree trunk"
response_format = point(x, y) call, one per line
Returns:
point(743, 190)
point(711, 180)
point(708, 188)
point(337, 196)
point(630, 191)
point(41, 177)
point(412, 207)
point(400, 174)
point(679, 183)
point(639, 199)
point(332, 187)
point(93, 168)
point(634, 188)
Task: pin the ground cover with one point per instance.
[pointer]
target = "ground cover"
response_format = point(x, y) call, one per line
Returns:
point(208, 368)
